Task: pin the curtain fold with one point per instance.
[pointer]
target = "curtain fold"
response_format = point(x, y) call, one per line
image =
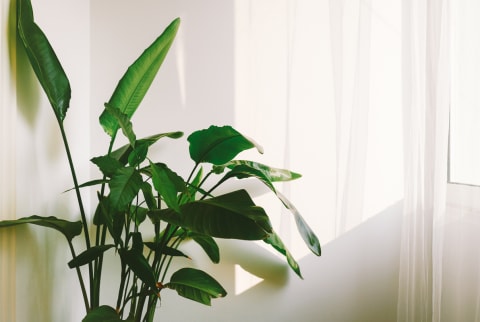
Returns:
point(426, 101)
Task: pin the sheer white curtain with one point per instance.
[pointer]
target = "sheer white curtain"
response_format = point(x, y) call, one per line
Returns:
point(426, 101)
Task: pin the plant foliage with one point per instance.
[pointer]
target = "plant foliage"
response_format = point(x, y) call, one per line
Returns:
point(136, 192)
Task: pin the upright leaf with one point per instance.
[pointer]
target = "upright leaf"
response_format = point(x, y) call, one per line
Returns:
point(134, 84)
point(168, 184)
point(196, 285)
point(44, 61)
point(124, 186)
point(218, 145)
point(140, 266)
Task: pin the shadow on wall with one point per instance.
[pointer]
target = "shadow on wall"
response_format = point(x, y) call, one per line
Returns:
point(356, 279)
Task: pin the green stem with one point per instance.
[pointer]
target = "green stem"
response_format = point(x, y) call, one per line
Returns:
point(79, 198)
point(80, 278)
point(100, 241)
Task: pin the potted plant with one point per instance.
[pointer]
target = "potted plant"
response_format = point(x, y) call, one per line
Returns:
point(145, 210)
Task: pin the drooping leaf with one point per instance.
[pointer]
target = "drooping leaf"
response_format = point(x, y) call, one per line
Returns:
point(308, 236)
point(208, 244)
point(134, 84)
point(124, 186)
point(140, 266)
point(89, 255)
point(233, 215)
point(68, 228)
point(196, 285)
point(266, 174)
point(168, 184)
point(278, 244)
point(104, 313)
point(218, 145)
point(271, 173)
point(44, 61)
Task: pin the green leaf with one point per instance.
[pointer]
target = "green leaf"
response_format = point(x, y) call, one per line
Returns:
point(138, 154)
point(121, 154)
point(195, 285)
point(278, 244)
point(165, 250)
point(44, 61)
point(140, 266)
point(104, 313)
point(124, 186)
point(148, 195)
point(233, 215)
point(134, 84)
point(266, 174)
point(270, 173)
point(218, 145)
point(138, 214)
point(208, 244)
point(168, 184)
point(107, 164)
point(89, 184)
point(123, 120)
point(88, 255)
point(308, 236)
point(68, 228)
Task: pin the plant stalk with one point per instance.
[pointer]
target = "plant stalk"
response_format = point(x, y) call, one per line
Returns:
point(79, 199)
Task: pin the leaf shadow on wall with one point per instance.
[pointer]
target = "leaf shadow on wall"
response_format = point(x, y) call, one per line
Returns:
point(26, 84)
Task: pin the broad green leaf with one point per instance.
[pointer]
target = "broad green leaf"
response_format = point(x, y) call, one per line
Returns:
point(44, 61)
point(195, 285)
point(123, 120)
point(124, 186)
point(218, 145)
point(121, 154)
point(308, 236)
point(233, 215)
point(168, 184)
point(104, 313)
point(208, 244)
point(134, 84)
point(89, 255)
point(277, 243)
point(140, 266)
point(107, 165)
point(68, 228)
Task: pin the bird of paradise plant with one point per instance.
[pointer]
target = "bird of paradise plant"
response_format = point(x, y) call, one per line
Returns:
point(137, 194)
